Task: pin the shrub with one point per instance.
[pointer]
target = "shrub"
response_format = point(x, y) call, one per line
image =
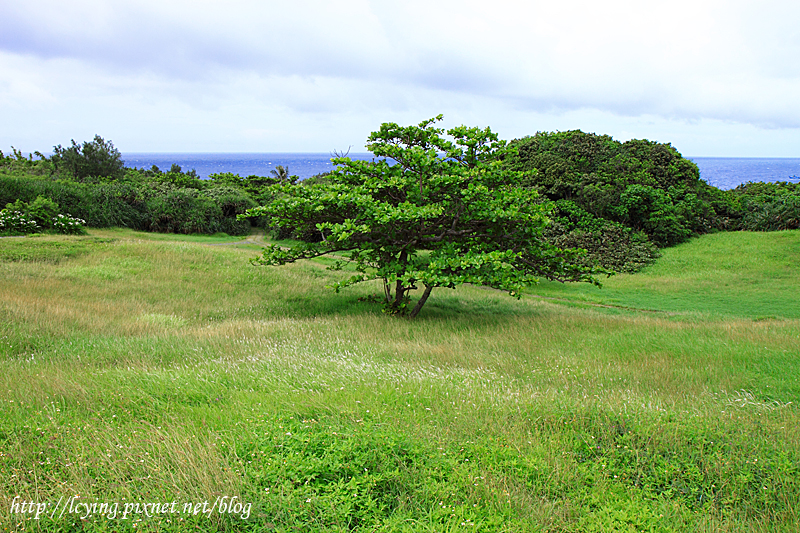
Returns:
point(612, 246)
point(21, 218)
point(14, 222)
point(68, 225)
point(98, 158)
point(646, 186)
point(608, 244)
point(41, 210)
point(768, 206)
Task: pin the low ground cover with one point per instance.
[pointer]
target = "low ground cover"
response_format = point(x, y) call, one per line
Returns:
point(141, 368)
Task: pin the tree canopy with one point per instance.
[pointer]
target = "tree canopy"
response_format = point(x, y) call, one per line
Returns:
point(94, 159)
point(643, 185)
point(432, 210)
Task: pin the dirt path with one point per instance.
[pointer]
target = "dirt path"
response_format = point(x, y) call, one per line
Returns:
point(255, 237)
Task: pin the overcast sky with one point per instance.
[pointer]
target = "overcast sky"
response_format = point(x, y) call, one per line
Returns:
point(714, 78)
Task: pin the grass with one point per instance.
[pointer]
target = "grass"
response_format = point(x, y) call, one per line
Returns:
point(140, 368)
point(737, 274)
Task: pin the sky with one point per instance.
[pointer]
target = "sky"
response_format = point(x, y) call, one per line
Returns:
point(713, 78)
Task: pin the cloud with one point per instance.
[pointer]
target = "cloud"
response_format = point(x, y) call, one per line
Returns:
point(340, 64)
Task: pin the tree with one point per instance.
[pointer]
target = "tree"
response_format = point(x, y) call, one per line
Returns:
point(281, 174)
point(431, 212)
point(96, 159)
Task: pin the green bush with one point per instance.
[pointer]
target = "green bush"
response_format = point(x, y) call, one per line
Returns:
point(181, 211)
point(17, 164)
point(608, 244)
point(98, 158)
point(613, 246)
point(14, 222)
point(646, 186)
point(41, 210)
point(768, 206)
point(20, 218)
point(142, 206)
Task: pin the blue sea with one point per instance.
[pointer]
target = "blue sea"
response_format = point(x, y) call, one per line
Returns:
point(302, 165)
point(722, 172)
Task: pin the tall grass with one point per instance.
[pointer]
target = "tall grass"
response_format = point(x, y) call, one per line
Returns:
point(143, 368)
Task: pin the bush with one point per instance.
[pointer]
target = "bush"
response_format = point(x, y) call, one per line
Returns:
point(41, 210)
point(14, 222)
point(21, 218)
point(768, 206)
point(96, 159)
point(68, 225)
point(182, 211)
point(612, 247)
point(646, 186)
point(608, 244)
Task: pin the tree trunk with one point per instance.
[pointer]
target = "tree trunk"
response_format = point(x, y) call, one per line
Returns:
point(387, 291)
point(422, 300)
point(399, 290)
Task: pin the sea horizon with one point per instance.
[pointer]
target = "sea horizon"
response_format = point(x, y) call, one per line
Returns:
point(721, 172)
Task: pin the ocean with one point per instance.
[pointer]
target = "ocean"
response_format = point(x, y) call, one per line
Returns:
point(728, 172)
point(722, 172)
point(303, 165)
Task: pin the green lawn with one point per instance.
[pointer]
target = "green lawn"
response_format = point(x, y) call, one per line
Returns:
point(138, 368)
point(742, 274)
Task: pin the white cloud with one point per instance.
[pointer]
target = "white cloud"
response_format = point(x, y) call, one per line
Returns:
point(239, 75)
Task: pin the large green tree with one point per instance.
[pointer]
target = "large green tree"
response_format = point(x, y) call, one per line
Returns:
point(432, 210)
point(95, 159)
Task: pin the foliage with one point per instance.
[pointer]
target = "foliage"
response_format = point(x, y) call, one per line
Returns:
point(14, 222)
point(98, 159)
point(68, 225)
point(316, 179)
point(17, 163)
point(608, 244)
point(644, 185)
point(447, 212)
point(613, 246)
point(259, 188)
point(20, 218)
point(768, 206)
point(181, 210)
point(281, 175)
point(138, 202)
point(41, 210)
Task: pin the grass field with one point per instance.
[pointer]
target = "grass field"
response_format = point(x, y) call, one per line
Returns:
point(140, 369)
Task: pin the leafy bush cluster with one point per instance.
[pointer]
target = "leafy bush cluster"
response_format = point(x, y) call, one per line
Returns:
point(766, 206)
point(98, 158)
point(89, 183)
point(620, 201)
point(21, 218)
point(16, 223)
point(644, 185)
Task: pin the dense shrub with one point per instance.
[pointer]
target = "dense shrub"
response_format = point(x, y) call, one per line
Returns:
point(19, 165)
point(97, 158)
point(609, 244)
point(41, 210)
point(768, 206)
point(101, 205)
point(14, 222)
point(141, 206)
point(643, 185)
point(21, 218)
point(173, 210)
